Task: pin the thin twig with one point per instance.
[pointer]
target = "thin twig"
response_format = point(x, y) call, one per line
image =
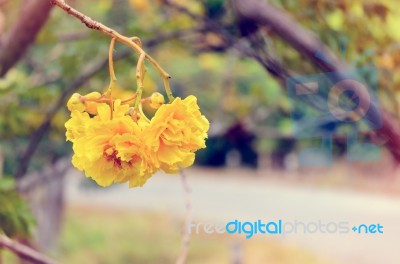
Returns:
point(92, 24)
point(270, 64)
point(188, 217)
point(24, 252)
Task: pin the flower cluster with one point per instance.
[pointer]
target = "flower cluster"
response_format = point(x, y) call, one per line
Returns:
point(113, 142)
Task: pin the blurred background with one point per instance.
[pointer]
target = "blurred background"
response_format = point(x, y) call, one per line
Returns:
point(236, 57)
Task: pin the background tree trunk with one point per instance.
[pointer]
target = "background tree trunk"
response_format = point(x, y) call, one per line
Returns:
point(15, 42)
point(44, 191)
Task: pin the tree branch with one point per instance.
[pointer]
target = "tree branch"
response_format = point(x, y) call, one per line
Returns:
point(303, 40)
point(24, 252)
point(263, 14)
point(271, 65)
point(16, 41)
point(92, 24)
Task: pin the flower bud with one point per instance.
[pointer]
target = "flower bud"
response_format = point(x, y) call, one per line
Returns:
point(156, 100)
point(91, 106)
point(134, 114)
point(75, 103)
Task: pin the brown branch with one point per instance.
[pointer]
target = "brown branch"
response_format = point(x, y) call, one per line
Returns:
point(92, 24)
point(188, 216)
point(24, 252)
point(276, 69)
point(16, 41)
point(307, 43)
point(264, 14)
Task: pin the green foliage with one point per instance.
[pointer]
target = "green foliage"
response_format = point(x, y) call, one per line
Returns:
point(16, 219)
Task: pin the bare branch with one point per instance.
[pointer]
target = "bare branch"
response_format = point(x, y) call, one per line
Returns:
point(276, 69)
point(264, 14)
point(92, 24)
point(24, 252)
point(303, 40)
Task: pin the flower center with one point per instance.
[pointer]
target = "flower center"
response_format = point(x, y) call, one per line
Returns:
point(110, 154)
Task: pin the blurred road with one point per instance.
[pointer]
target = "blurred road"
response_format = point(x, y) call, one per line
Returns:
point(220, 196)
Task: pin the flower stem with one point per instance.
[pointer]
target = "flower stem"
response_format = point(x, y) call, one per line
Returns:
point(113, 78)
point(134, 42)
point(137, 40)
point(129, 99)
point(139, 79)
point(168, 90)
point(143, 115)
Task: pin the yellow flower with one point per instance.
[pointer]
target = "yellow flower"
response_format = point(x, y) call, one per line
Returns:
point(111, 146)
point(175, 132)
point(111, 150)
point(77, 125)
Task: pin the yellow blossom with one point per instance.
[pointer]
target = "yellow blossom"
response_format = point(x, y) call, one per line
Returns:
point(110, 146)
point(175, 132)
point(112, 139)
point(77, 125)
point(111, 150)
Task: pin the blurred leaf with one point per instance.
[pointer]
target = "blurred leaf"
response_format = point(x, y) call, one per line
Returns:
point(16, 219)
